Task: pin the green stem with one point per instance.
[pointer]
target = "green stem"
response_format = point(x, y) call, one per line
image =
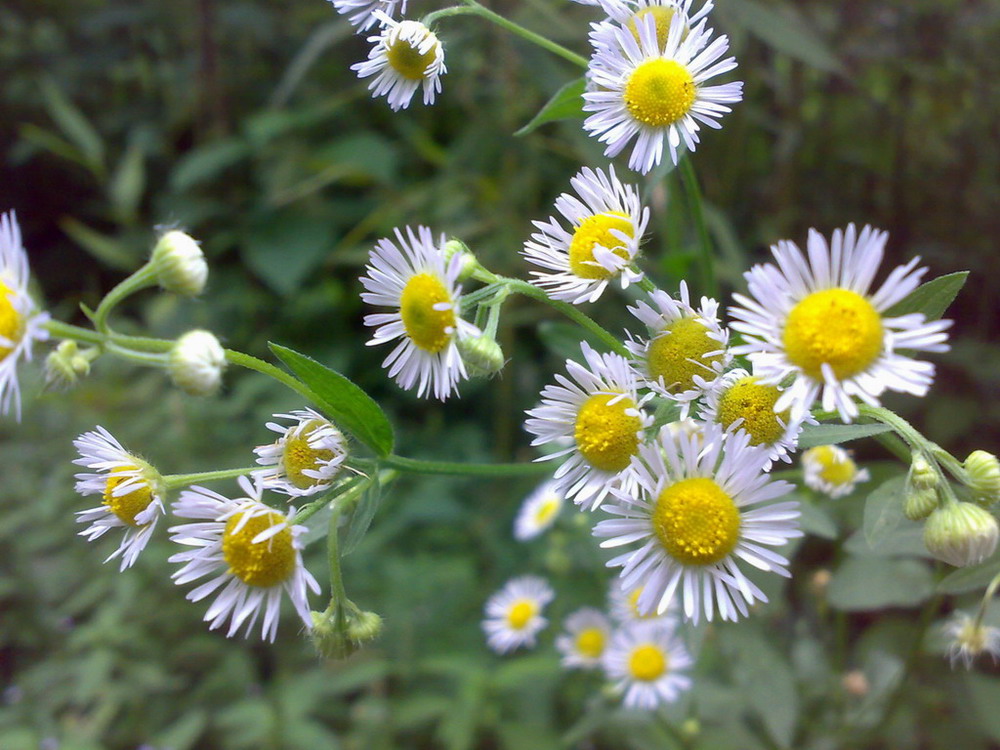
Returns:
point(706, 261)
point(337, 593)
point(58, 329)
point(142, 358)
point(646, 285)
point(952, 464)
point(990, 591)
point(180, 480)
point(144, 277)
point(452, 468)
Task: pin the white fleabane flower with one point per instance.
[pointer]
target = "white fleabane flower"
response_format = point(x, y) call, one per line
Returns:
point(814, 318)
point(514, 614)
point(406, 56)
point(693, 518)
point(251, 554)
point(21, 322)
point(626, 13)
point(363, 14)
point(307, 455)
point(606, 223)
point(650, 92)
point(831, 470)
point(646, 661)
point(539, 511)
point(196, 363)
point(969, 638)
point(415, 278)
point(131, 489)
point(585, 638)
point(599, 421)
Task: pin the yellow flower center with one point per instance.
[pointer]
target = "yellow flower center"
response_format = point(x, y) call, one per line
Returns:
point(662, 15)
point(596, 231)
point(647, 662)
point(407, 60)
point(520, 613)
point(590, 642)
point(753, 402)
point(696, 521)
point(836, 327)
point(972, 638)
point(679, 353)
point(266, 563)
point(130, 504)
point(605, 435)
point(659, 92)
point(547, 509)
point(11, 325)
point(429, 329)
point(299, 455)
point(836, 468)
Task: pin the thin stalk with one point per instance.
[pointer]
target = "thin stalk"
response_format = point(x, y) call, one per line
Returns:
point(531, 36)
point(646, 285)
point(452, 468)
point(142, 358)
point(706, 260)
point(58, 329)
point(180, 480)
point(144, 277)
point(337, 593)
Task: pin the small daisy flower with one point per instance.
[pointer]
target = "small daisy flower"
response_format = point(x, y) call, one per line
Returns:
point(687, 350)
point(250, 552)
point(21, 322)
point(514, 613)
point(693, 519)
point(625, 606)
point(606, 221)
point(363, 14)
point(831, 470)
point(627, 13)
point(813, 318)
point(406, 56)
point(646, 660)
point(539, 511)
point(651, 92)
point(131, 489)
point(415, 278)
point(969, 637)
point(741, 402)
point(307, 455)
point(599, 421)
point(586, 636)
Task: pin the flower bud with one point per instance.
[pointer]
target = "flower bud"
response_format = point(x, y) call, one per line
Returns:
point(922, 475)
point(196, 363)
point(482, 355)
point(180, 265)
point(334, 640)
point(65, 366)
point(469, 263)
point(984, 477)
point(920, 503)
point(961, 534)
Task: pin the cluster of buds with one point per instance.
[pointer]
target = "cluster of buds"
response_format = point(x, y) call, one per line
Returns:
point(341, 630)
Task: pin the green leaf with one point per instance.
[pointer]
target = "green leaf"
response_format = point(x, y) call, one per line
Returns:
point(973, 577)
point(833, 434)
point(906, 541)
point(127, 184)
point(106, 249)
point(932, 298)
point(867, 583)
point(74, 125)
point(817, 521)
point(206, 162)
point(342, 400)
point(783, 28)
point(985, 691)
point(283, 248)
point(567, 103)
point(362, 516)
point(884, 511)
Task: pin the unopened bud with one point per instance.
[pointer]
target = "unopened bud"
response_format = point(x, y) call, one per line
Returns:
point(468, 261)
point(180, 264)
point(920, 503)
point(65, 366)
point(855, 683)
point(983, 470)
point(197, 362)
point(338, 638)
point(364, 627)
point(922, 475)
point(482, 355)
point(961, 534)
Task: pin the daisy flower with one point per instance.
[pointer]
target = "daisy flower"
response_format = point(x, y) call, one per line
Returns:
point(606, 222)
point(250, 552)
point(693, 520)
point(514, 613)
point(131, 491)
point(741, 402)
point(969, 637)
point(362, 13)
point(814, 318)
point(406, 56)
point(306, 457)
point(597, 421)
point(625, 606)
point(646, 660)
point(687, 349)
point(627, 13)
point(831, 470)
point(21, 322)
point(538, 512)
point(649, 92)
point(586, 636)
point(415, 278)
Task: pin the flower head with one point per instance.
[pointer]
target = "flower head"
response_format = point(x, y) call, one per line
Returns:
point(539, 511)
point(196, 363)
point(969, 637)
point(586, 636)
point(831, 470)
point(406, 56)
point(961, 533)
point(180, 264)
point(307, 455)
point(647, 660)
point(514, 613)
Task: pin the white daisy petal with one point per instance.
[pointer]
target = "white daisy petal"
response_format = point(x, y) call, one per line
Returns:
point(307, 456)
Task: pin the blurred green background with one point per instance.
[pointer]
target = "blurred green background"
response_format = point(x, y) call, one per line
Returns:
point(241, 122)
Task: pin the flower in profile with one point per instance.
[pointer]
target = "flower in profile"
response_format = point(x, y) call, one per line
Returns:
point(968, 638)
point(606, 223)
point(514, 613)
point(961, 533)
point(831, 470)
point(597, 423)
point(693, 518)
point(687, 349)
point(21, 322)
point(414, 278)
point(647, 660)
point(363, 14)
point(180, 264)
point(538, 511)
point(586, 636)
point(651, 92)
point(131, 491)
point(196, 363)
point(626, 13)
point(250, 552)
point(625, 606)
point(814, 318)
point(406, 56)
point(307, 455)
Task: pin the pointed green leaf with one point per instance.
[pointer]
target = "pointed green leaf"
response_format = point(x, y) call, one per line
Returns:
point(73, 124)
point(785, 30)
point(567, 103)
point(106, 249)
point(127, 183)
point(932, 298)
point(832, 434)
point(867, 583)
point(884, 511)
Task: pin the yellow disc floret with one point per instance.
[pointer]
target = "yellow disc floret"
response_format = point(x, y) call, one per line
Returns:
point(696, 521)
point(520, 613)
point(406, 59)
point(647, 662)
point(266, 563)
point(836, 327)
point(754, 403)
point(11, 324)
point(299, 455)
point(129, 504)
point(679, 353)
point(659, 92)
point(605, 435)
point(662, 15)
point(596, 231)
point(428, 328)
point(837, 467)
point(590, 642)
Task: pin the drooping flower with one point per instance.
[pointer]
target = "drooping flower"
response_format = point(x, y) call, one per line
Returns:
point(406, 56)
point(969, 638)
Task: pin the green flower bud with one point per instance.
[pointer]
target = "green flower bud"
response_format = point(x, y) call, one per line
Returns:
point(196, 363)
point(469, 262)
point(961, 534)
point(336, 638)
point(65, 366)
point(180, 264)
point(482, 356)
point(920, 503)
point(984, 477)
point(922, 475)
